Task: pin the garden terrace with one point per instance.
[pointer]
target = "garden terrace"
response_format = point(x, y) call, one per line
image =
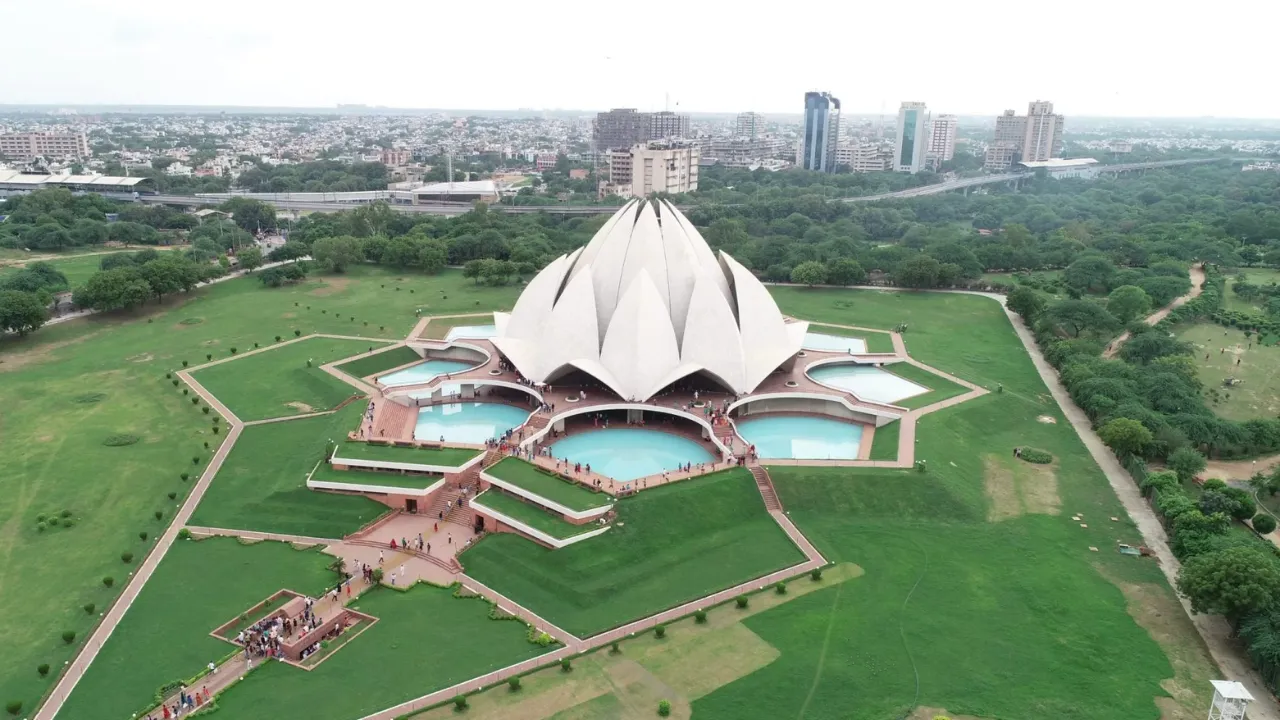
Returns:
point(530, 480)
point(379, 362)
point(496, 501)
point(426, 456)
point(325, 474)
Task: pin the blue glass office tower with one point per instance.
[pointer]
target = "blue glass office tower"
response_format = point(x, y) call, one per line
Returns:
point(821, 131)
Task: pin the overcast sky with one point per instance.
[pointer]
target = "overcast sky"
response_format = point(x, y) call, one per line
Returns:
point(1090, 57)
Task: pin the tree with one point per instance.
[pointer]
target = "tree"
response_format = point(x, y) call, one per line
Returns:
point(1234, 582)
point(809, 273)
point(1264, 523)
point(114, 289)
point(1128, 302)
point(1080, 316)
point(251, 215)
point(433, 255)
point(1187, 463)
point(921, 271)
point(336, 254)
point(20, 312)
point(1026, 302)
point(1125, 436)
point(250, 258)
point(843, 271)
point(1147, 347)
point(473, 269)
point(291, 250)
point(1090, 273)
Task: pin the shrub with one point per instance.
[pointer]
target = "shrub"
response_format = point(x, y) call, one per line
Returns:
point(234, 351)
point(659, 631)
point(89, 608)
point(206, 412)
point(186, 391)
point(215, 429)
point(614, 648)
point(195, 459)
point(277, 338)
point(185, 363)
point(208, 356)
point(143, 534)
point(216, 419)
point(68, 636)
point(14, 707)
point(126, 557)
point(172, 496)
point(206, 442)
point(175, 382)
point(780, 588)
point(1035, 455)
point(65, 513)
point(1213, 484)
point(53, 522)
point(184, 534)
point(297, 333)
point(741, 601)
point(40, 527)
point(513, 684)
point(815, 574)
point(377, 575)
point(168, 375)
point(566, 665)
point(120, 440)
point(68, 523)
point(255, 346)
point(43, 669)
point(184, 477)
point(460, 702)
point(1264, 523)
point(195, 401)
point(664, 708)
point(700, 616)
point(159, 514)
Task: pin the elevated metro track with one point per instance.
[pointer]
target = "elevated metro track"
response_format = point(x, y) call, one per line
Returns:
point(284, 202)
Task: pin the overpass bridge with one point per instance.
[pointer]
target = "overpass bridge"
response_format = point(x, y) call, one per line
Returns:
point(334, 202)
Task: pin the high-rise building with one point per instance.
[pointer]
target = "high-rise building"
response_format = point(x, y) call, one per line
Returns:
point(25, 147)
point(911, 140)
point(821, 131)
point(863, 157)
point(666, 125)
point(942, 138)
point(620, 128)
point(653, 167)
point(1043, 137)
point(749, 125)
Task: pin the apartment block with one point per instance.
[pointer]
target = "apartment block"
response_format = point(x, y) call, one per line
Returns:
point(25, 147)
point(654, 167)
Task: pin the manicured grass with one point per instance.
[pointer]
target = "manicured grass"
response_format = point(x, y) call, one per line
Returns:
point(382, 362)
point(1259, 396)
point(51, 451)
point(388, 478)
point(940, 388)
point(77, 268)
point(884, 444)
point(438, 328)
point(165, 637)
point(278, 382)
point(451, 457)
point(528, 476)
point(876, 342)
point(530, 514)
point(671, 544)
point(262, 484)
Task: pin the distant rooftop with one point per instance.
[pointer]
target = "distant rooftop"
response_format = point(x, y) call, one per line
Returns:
point(13, 177)
point(471, 187)
point(1057, 163)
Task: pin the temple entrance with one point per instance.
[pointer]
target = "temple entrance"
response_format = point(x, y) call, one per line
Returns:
point(479, 526)
point(411, 505)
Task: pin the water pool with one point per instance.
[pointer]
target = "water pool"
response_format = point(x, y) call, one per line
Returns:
point(833, 343)
point(870, 383)
point(468, 422)
point(424, 371)
point(630, 453)
point(478, 332)
point(802, 438)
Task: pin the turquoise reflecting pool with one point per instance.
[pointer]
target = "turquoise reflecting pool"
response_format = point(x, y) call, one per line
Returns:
point(478, 332)
point(833, 343)
point(422, 372)
point(869, 383)
point(469, 422)
point(630, 453)
point(802, 438)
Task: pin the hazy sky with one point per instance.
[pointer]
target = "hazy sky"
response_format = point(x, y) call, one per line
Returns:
point(1090, 57)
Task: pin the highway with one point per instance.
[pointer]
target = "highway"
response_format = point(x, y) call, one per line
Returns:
point(452, 209)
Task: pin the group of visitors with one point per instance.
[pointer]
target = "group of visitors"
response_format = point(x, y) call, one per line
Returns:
point(186, 702)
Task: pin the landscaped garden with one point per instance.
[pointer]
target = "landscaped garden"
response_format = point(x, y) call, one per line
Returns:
point(380, 362)
point(940, 388)
point(876, 342)
point(443, 456)
point(529, 514)
point(528, 476)
point(669, 545)
point(283, 381)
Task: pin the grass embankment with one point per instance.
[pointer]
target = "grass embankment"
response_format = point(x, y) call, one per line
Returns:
point(379, 363)
point(940, 388)
point(67, 387)
point(450, 457)
point(670, 545)
point(532, 515)
point(280, 382)
point(528, 476)
point(876, 342)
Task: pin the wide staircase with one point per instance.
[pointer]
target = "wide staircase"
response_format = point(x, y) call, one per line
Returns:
point(765, 485)
point(537, 422)
point(390, 420)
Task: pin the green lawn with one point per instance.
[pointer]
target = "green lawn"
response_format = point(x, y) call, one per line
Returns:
point(438, 328)
point(278, 382)
point(382, 362)
point(77, 268)
point(1255, 276)
point(884, 444)
point(389, 478)
point(670, 545)
point(201, 585)
point(528, 476)
point(940, 388)
point(1259, 396)
point(262, 484)
point(67, 387)
point(445, 456)
point(876, 342)
point(531, 515)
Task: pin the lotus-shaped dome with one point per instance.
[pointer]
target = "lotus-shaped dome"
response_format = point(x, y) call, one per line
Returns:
point(643, 305)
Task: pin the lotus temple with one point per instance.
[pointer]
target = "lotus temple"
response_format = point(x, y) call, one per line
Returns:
point(640, 359)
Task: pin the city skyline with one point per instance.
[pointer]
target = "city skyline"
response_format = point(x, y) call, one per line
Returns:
point(308, 57)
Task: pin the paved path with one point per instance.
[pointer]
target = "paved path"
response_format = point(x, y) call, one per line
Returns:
point(1197, 286)
point(202, 531)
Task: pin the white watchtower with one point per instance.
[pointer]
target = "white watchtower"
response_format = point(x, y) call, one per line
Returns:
point(1230, 699)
